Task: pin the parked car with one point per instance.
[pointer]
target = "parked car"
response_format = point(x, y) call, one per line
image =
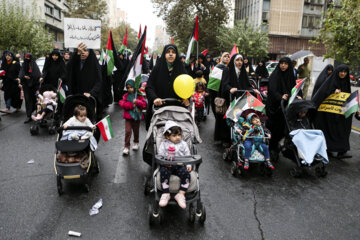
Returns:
point(270, 66)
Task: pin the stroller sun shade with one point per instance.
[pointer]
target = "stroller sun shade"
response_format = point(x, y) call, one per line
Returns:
point(72, 101)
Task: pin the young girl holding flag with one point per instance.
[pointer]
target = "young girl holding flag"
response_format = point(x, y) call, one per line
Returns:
point(132, 103)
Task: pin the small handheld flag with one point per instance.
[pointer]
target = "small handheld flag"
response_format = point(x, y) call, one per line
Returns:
point(105, 128)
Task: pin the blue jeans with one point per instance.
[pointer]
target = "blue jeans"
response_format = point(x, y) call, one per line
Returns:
point(248, 148)
point(8, 103)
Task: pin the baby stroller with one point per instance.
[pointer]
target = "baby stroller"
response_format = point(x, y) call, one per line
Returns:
point(74, 159)
point(235, 153)
point(49, 119)
point(288, 148)
point(153, 139)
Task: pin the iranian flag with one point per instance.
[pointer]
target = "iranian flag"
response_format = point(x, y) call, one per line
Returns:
point(105, 128)
point(2, 73)
point(109, 54)
point(245, 102)
point(194, 37)
point(61, 91)
point(351, 104)
point(137, 61)
point(124, 43)
point(215, 79)
point(295, 91)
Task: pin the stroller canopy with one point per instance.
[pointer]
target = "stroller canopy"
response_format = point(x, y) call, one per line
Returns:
point(300, 106)
point(72, 101)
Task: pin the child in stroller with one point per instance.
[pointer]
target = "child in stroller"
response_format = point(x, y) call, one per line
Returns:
point(253, 134)
point(46, 103)
point(172, 146)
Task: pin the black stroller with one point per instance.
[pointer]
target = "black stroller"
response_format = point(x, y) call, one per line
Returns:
point(288, 148)
point(49, 121)
point(153, 139)
point(74, 159)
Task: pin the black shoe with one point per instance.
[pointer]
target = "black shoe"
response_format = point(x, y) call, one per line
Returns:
point(27, 120)
point(342, 155)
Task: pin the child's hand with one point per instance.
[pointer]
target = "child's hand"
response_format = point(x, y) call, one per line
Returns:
point(188, 168)
point(65, 127)
point(239, 131)
point(338, 91)
point(134, 101)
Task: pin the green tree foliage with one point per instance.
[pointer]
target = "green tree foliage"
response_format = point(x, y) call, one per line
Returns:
point(340, 32)
point(179, 16)
point(21, 31)
point(251, 41)
point(118, 36)
point(91, 9)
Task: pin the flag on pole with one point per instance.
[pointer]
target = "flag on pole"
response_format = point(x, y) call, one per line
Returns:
point(2, 73)
point(105, 128)
point(61, 91)
point(135, 66)
point(172, 40)
point(109, 54)
point(205, 52)
point(351, 104)
point(124, 43)
point(245, 102)
point(215, 79)
point(139, 35)
point(234, 51)
point(194, 37)
point(295, 91)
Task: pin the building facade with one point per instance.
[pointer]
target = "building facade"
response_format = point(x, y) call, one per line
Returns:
point(290, 23)
point(115, 15)
point(161, 37)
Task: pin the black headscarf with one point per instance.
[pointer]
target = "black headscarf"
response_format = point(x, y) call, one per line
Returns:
point(31, 69)
point(231, 80)
point(280, 83)
point(333, 82)
point(88, 79)
point(321, 78)
point(248, 64)
point(53, 70)
point(160, 83)
point(261, 70)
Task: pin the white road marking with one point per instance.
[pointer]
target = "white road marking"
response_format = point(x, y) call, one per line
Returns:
point(121, 169)
point(355, 131)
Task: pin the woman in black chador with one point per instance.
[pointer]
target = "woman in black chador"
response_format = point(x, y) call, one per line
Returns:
point(281, 82)
point(10, 86)
point(261, 71)
point(29, 76)
point(161, 80)
point(336, 127)
point(84, 75)
point(325, 73)
point(54, 68)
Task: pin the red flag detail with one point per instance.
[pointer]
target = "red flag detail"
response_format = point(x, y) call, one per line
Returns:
point(172, 40)
point(196, 32)
point(139, 35)
point(143, 47)
point(125, 38)
point(109, 45)
point(205, 52)
point(233, 51)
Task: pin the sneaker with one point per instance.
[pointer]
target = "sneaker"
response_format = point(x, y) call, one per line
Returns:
point(269, 164)
point(165, 197)
point(126, 151)
point(180, 199)
point(135, 147)
point(246, 164)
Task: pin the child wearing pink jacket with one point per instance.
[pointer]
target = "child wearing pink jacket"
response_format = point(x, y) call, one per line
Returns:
point(132, 104)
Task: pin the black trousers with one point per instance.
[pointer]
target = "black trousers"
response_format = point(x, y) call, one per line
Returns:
point(30, 99)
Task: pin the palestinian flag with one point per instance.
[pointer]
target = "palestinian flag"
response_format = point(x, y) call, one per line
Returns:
point(124, 43)
point(102, 57)
point(109, 54)
point(245, 102)
point(215, 79)
point(137, 62)
point(139, 35)
point(295, 91)
point(194, 37)
point(234, 51)
point(105, 128)
point(61, 92)
point(351, 104)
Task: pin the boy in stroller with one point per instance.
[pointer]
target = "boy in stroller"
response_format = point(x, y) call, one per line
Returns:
point(172, 146)
point(253, 134)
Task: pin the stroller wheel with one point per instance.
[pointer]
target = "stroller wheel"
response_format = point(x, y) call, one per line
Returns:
point(192, 213)
point(226, 154)
point(296, 172)
point(201, 214)
point(96, 164)
point(34, 130)
point(235, 170)
point(52, 130)
point(147, 187)
point(59, 185)
point(155, 217)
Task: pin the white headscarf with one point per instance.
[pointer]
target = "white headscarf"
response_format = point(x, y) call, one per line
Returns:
point(237, 70)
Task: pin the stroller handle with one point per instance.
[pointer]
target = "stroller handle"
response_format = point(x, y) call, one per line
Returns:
point(60, 129)
point(283, 109)
point(166, 101)
point(179, 160)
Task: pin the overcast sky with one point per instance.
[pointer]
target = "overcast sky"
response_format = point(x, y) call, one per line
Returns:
point(141, 12)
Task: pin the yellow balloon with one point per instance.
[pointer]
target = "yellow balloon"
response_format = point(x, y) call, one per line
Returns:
point(184, 86)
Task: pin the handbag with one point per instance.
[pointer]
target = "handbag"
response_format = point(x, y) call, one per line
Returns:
point(220, 105)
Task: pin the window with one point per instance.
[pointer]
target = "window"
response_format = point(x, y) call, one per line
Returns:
point(57, 13)
point(48, 10)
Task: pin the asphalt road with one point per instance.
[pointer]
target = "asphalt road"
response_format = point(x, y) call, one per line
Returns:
point(255, 207)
